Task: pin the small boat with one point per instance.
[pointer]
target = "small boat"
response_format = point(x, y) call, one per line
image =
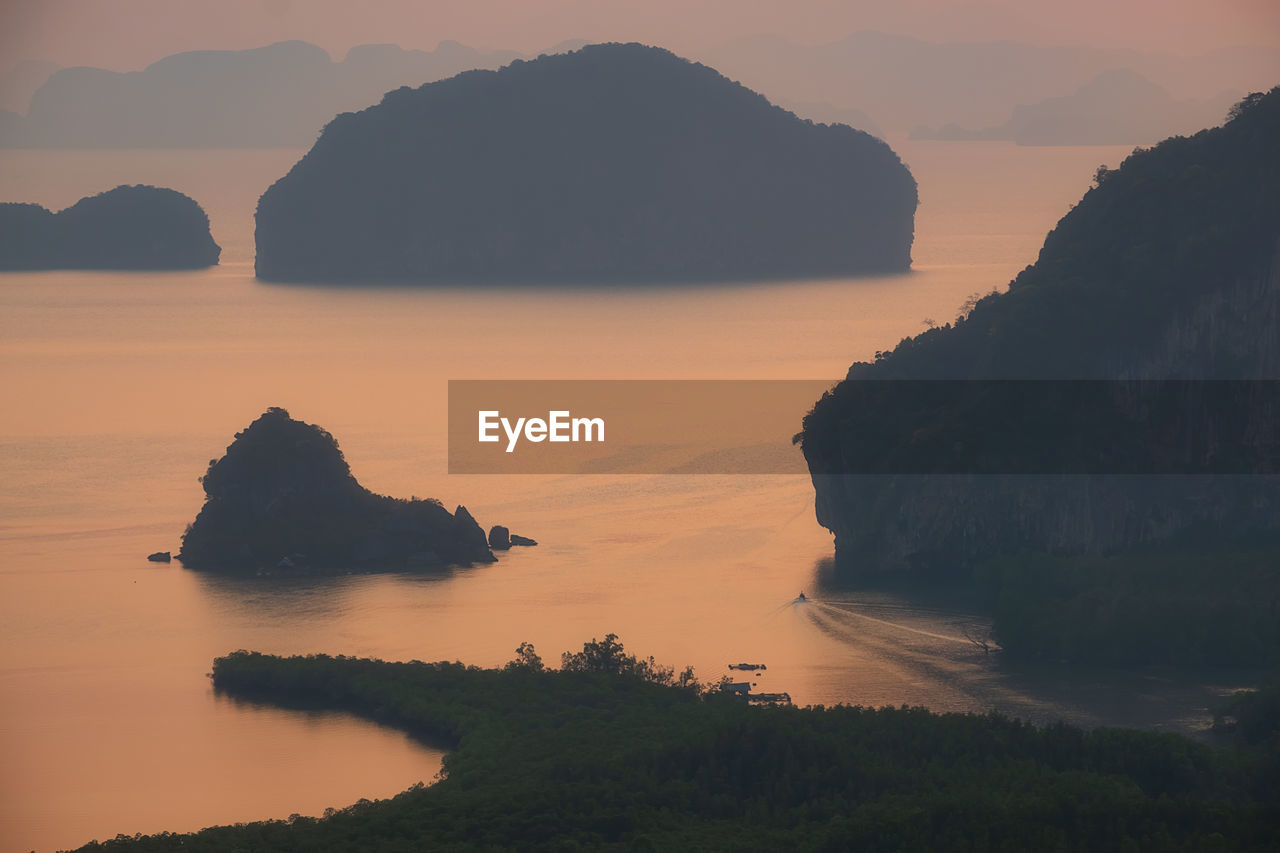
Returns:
point(800, 597)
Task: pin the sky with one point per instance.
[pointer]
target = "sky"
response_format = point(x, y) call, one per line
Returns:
point(129, 34)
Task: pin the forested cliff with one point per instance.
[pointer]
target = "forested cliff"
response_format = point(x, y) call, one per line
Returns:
point(1167, 269)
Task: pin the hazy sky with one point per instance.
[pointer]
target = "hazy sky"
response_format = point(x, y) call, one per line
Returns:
point(128, 34)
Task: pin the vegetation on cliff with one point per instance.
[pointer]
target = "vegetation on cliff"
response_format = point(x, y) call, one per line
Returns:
point(615, 162)
point(283, 497)
point(614, 753)
point(127, 228)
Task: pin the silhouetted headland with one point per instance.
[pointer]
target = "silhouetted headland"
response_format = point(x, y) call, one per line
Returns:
point(1167, 269)
point(616, 162)
point(127, 228)
point(283, 499)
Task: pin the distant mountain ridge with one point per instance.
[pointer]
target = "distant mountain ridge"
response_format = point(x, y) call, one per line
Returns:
point(1118, 107)
point(278, 95)
point(904, 82)
point(610, 163)
point(282, 94)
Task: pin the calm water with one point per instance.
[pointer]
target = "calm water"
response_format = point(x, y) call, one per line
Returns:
point(118, 389)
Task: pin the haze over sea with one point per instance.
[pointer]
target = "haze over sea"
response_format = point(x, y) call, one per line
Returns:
point(120, 387)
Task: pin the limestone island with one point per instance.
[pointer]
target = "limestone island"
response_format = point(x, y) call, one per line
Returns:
point(283, 499)
point(127, 228)
point(1161, 547)
point(612, 163)
point(1167, 269)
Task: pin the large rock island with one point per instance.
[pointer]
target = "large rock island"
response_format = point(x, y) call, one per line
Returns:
point(127, 228)
point(283, 498)
point(1167, 269)
point(616, 162)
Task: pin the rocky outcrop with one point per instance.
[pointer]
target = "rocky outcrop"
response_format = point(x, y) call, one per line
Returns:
point(1168, 269)
point(283, 499)
point(502, 539)
point(127, 228)
point(949, 524)
point(615, 162)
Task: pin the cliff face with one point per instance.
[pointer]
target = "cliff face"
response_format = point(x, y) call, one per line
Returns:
point(127, 228)
point(1168, 269)
point(1231, 331)
point(611, 163)
point(949, 524)
point(283, 497)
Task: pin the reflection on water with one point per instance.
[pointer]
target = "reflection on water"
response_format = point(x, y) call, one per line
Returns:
point(934, 639)
point(120, 387)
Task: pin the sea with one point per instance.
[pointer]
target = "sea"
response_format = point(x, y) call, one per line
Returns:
point(118, 389)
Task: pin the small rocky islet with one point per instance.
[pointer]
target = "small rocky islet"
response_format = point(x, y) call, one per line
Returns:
point(283, 499)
